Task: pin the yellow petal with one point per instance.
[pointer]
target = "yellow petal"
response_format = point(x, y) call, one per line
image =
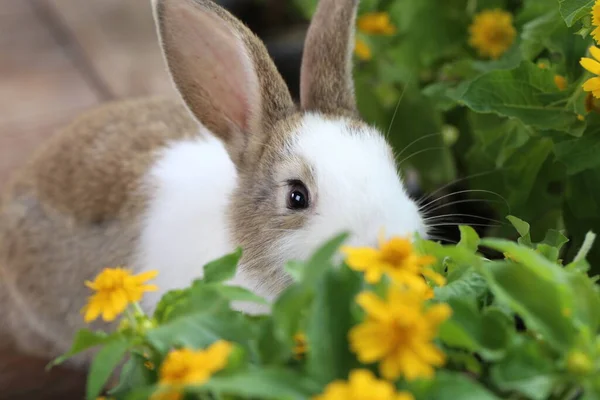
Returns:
point(362, 50)
point(149, 288)
point(370, 341)
point(595, 52)
point(91, 285)
point(92, 311)
point(435, 277)
point(404, 396)
point(413, 367)
point(560, 82)
point(592, 84)
point(438, 313)
point(145, 276)
point(373, 274)
point(373, 305)
point(591, 65)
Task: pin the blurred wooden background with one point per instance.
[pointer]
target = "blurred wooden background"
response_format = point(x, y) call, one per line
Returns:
point(60, 57)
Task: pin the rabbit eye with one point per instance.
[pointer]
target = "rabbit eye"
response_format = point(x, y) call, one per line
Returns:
point(297, 196)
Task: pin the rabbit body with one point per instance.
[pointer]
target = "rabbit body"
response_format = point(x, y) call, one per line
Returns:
point(78, 207)
point(168, 185)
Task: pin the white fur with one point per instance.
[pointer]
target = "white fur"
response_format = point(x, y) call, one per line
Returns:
point(186, 224)
point(358, 188)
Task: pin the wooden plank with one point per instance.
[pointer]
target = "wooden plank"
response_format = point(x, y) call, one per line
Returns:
point(40, 88)
point(119, 39)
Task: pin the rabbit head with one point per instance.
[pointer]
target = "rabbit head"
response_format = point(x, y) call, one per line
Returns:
point(304, 172)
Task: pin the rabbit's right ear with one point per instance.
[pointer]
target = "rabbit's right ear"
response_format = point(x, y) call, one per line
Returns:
point(223, 72)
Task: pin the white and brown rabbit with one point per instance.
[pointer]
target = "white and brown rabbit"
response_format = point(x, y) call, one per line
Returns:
point(166, 185)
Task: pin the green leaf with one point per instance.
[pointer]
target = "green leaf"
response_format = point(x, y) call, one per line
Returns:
point(200, 329)
point(523, 228)
point(542, 309)
point(454, 385)
point(470, 284)
point(581, 153)
point(289, 311)
point(84, 340)
point(526, 370)
point(463, 329)
point(467, 328)
point(222, 269)
point(522, 93)
point(133, 375)
point(543, 32)
point(586, 310)
point(170, 301)
point(329, 356)
point(295, 269)
point(104, 365)
point(264, 383)
point(469, 239)
point(573, 10)
point(271, 348)
point(320, 261)
point(237, 293)
point(551, 245)
point(555, 239)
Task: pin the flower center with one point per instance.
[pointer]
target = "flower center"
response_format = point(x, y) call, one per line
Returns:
point(394, 255)
point(400, 334)
point(112, 282)
point(497, 35)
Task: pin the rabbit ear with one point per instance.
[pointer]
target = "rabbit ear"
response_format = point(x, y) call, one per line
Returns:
point(222, 71)
point(326, 75)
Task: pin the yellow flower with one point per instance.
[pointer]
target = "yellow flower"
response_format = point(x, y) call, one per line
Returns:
point(591, 64)
point(395, 258)
point(560, 82)
point(377, 23)
point(580, 117)
point(398, 332)
point(542, 65)
point(362, 50)
point(492, 33)
point(115, 289)
point(194, 367)
point(362, 385)
point(301, 345)
point(596, 20)
point(166, 394)
point(579, 363)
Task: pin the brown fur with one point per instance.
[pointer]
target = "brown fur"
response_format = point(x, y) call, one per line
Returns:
point(255, 115)
point(72, 211)
point(75, 207)
point(326, 74)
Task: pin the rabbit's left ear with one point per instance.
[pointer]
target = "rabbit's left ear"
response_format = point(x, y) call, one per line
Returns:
point(326, 74)
point(223, 72)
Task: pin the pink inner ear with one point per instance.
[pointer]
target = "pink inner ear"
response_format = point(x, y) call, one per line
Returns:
point(209, 60)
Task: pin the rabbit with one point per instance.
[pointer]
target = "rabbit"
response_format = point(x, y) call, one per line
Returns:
point(171, 184)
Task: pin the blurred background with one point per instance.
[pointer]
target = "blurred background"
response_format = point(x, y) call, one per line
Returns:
point(61, 57)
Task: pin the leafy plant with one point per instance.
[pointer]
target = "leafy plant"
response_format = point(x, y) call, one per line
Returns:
point(518, 125)
point(553, 352)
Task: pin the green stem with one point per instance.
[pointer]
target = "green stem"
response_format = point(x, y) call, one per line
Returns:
point(131, 316)
point(585, 247)
point(138, 309)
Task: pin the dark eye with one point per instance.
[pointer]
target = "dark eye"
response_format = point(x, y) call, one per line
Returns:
point(297, 196)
